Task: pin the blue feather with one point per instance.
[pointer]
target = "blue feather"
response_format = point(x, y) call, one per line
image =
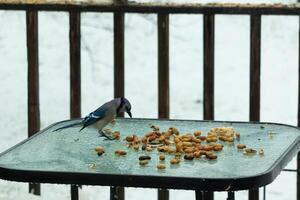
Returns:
point(93, 117)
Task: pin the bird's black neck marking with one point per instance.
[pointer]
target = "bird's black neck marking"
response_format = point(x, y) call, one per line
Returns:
point(120, 106)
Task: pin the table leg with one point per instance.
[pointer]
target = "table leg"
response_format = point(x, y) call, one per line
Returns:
point(230, 195)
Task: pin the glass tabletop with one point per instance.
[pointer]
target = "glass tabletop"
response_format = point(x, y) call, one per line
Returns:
point(70, 151)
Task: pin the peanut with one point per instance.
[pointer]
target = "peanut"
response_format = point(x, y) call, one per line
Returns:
point(120, 152)
point(174, 161)
point(161, 166)
point(241, 146)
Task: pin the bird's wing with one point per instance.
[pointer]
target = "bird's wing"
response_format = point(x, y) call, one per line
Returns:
point(96, 115)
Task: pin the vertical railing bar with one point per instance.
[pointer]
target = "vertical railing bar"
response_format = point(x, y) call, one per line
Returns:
point(230, 195)
point(75, 70)
point(163, 77)
point(163, 194)
point(255, 53)
point(119, 60)
point(298, 121)
point(253, 194)
point(118, 193)
point(208, 74)
point(163, 66)
point(255, 67)
point(208, 195)
point(33, 81)
point(198, 195)
point(74, 192)
point(75, 75)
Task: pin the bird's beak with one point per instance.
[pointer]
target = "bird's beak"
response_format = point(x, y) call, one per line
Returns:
point(129, 113)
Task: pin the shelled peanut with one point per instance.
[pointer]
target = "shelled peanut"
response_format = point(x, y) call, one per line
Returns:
point(120, 152)
point(100, 150)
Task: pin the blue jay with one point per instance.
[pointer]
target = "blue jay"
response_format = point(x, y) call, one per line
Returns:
point(104, 115)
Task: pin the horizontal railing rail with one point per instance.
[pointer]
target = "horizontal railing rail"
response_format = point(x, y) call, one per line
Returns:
point(172, 8)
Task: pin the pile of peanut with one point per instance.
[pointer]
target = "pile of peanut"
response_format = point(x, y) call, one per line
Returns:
point(177, 145)
point(189, 146)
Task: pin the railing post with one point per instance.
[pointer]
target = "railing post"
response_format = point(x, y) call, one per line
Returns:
point(255, 46)
point(208, 74)
point(33, 81)
point(75, 75)
point(163, 77)
point(118, 193)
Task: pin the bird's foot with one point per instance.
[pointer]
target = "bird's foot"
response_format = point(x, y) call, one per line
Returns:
point(113, 122)
point(102, 134)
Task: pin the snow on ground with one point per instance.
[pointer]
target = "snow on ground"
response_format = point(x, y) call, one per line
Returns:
point(279, 80)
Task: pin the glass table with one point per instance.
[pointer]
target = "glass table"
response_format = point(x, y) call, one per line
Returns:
point(68, 157)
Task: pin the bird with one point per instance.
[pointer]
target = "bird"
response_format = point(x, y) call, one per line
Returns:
point(103, 115)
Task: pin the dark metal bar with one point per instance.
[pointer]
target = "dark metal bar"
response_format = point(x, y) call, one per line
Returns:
point(119, 72)
point(198, 195)
point(75, 84)
point(74, 192)
point(33, 82)
point(264, 193)
point(75, 75)
point(163, 66)
point(255, 67)
point(230, 195)
point(163, 194)
point(208, 195)
point(118, 193)
point(152, 7)
point(208, 73)
point(298, 121)
point(255, 40)
point(290, 170)
point(253, 194)
point(163, 77)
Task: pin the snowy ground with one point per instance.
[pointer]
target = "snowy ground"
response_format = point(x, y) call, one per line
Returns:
point(279, 80)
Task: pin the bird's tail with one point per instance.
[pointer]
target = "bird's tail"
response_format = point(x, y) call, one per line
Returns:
point(82, 128)
point(68, 126)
